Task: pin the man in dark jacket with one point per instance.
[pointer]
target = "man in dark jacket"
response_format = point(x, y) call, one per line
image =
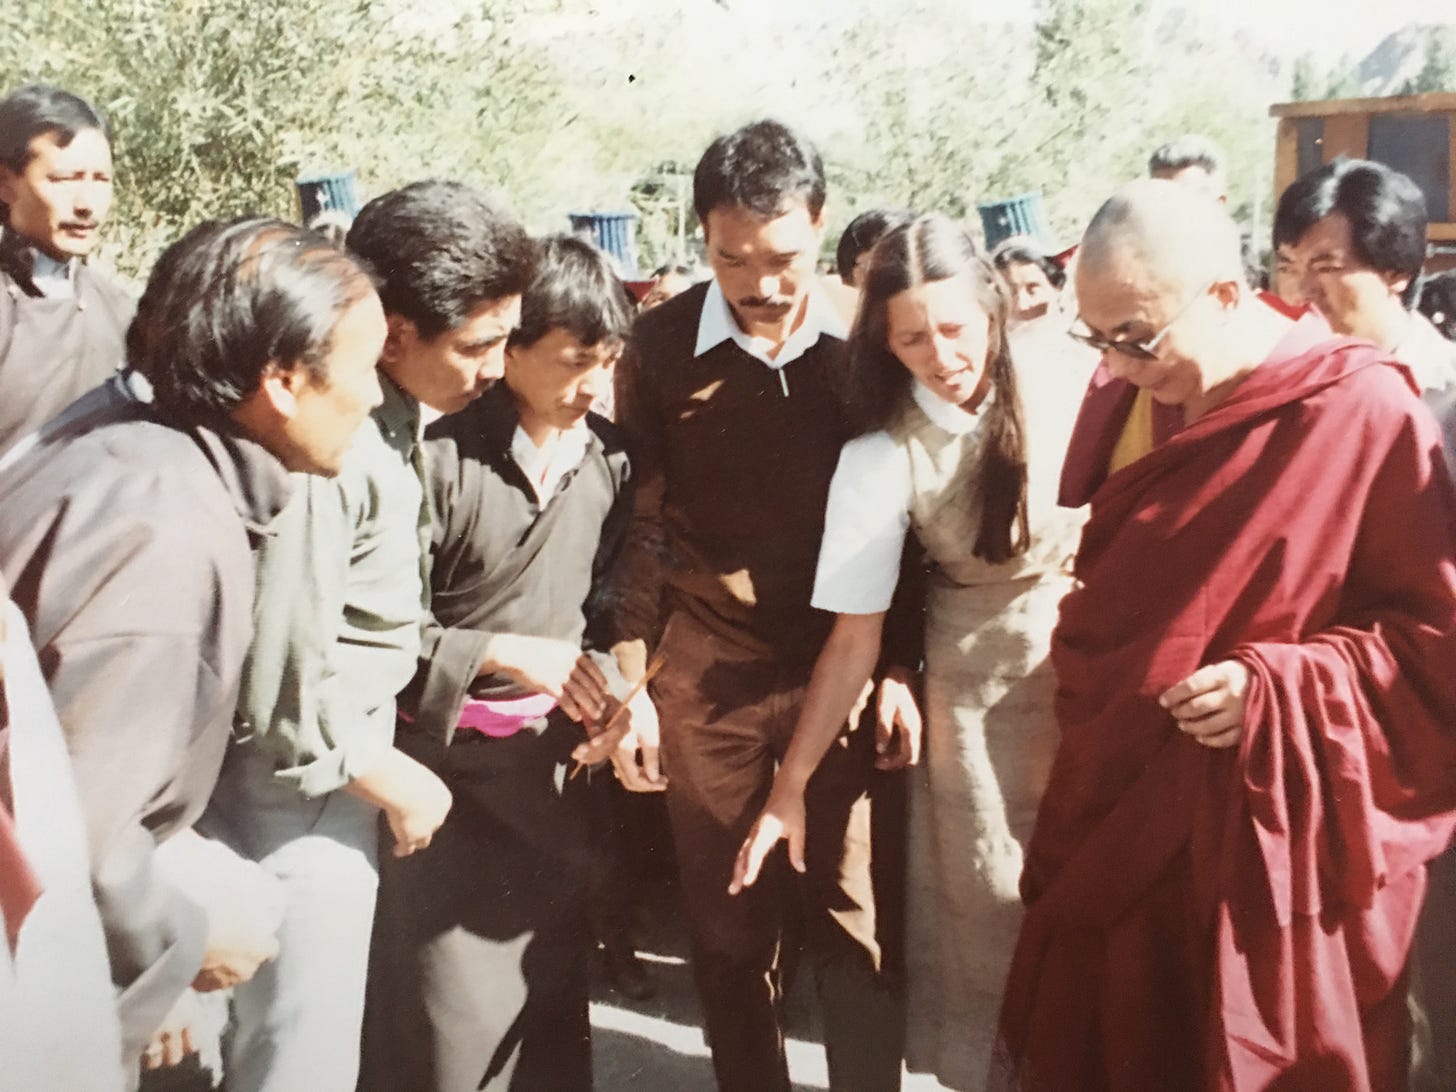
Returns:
point(61, 321)
point(478, 975)
point(126, 534)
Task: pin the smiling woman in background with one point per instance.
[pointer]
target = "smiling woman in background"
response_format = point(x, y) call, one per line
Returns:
point(1034, 281)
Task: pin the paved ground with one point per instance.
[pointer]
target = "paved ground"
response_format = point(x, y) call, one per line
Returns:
point(658, 1044)
point(652, 1045)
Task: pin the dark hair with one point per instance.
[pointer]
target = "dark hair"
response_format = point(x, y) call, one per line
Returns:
point(677, 268)
point(1189, 150)
point(1386, 210)
point(863, 232)
point(228, 300)
point(441, 250)
point(35, 110)
point(1438, 302)
point(1021, 251)
point(576, 289)
point(932, 248)
point(764, 168)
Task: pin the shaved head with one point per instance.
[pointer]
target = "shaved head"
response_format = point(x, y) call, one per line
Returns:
point(1161, 234)
point(1161, 290)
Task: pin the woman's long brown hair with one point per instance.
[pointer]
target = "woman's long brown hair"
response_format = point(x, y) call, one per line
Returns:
point(927, 249)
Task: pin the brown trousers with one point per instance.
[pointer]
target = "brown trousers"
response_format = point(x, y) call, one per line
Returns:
point(727, 717)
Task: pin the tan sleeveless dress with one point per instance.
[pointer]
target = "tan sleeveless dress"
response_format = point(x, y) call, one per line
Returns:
point(990, 731)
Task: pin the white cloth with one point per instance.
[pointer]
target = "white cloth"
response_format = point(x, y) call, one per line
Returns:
point(223, 883)
point(54, 279)
point(221, 880)
point(545, 466)
point(717, 325)
point(1429, 356)
point(1432, 363)
point(869, 512)
point(58, 1023)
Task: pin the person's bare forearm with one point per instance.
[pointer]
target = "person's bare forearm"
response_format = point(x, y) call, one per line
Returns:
point(389, 781)
point(547, 665)
point(631, 657)
point(845, 665)
point(412, 797)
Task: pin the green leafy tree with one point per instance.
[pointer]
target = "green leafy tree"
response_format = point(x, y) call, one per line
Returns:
point(1307, 80)
point(217, 105)
point(1438, 73)
point(567, 105)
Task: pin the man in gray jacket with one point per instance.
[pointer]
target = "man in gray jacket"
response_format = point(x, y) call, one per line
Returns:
point(341, 596)
point(126, 536)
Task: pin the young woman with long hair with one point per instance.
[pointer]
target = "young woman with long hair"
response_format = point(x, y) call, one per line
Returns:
point(955, 443)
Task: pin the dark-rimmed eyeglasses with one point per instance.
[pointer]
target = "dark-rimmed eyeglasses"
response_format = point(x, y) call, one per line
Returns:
point(1141, 348)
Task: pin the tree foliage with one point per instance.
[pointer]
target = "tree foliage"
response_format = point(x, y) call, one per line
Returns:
point(1313, 81)
point(564, 105)
point(1071, 108)
point(217, 105)
point(1438, 73)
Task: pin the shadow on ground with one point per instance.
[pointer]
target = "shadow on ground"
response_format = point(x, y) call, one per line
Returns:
point(658, 1044)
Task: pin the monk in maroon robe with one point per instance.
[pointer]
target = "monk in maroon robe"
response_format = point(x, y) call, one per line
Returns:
point(1258, 717)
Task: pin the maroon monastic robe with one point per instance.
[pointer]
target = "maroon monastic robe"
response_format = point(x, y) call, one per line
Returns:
point(1240, 918)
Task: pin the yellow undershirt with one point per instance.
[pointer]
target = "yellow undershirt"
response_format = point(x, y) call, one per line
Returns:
point(1137, 434)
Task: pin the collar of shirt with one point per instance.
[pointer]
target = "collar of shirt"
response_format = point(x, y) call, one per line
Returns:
point(258, 483)
point(398, 415)
point(545, 466)
point(1429, 356)
point(55, 280)
point(943, 415)
point(717, 325)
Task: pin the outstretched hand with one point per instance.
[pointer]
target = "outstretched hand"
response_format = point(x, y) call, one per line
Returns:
point(782, 820)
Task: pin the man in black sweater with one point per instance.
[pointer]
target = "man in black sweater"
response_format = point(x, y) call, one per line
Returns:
point(478, 977)
point(728, 395)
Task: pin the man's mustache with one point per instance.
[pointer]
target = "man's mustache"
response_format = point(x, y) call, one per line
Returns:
point(764, 302)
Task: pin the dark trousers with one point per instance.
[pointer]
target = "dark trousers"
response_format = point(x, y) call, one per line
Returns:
point(727, 718)
point(478, 973)
point(612, 886)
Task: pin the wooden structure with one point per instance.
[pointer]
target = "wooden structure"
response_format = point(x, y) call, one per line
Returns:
point(1415, 134)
